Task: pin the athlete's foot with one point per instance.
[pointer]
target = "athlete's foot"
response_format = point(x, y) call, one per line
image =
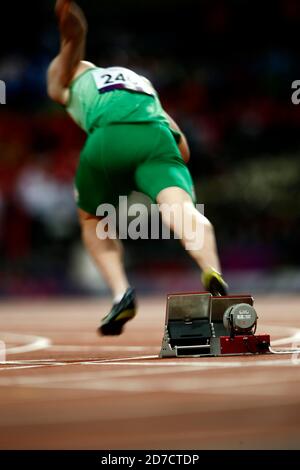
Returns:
point(121, 312)
point(214, 283)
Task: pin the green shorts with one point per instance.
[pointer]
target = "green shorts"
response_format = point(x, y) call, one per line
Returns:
point(120, 158)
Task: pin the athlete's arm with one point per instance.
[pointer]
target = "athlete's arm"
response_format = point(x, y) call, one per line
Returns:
point(183, 145)
point(73, 29)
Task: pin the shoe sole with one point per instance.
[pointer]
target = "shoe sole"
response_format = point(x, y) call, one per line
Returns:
point(216, 287)
point(114, 327)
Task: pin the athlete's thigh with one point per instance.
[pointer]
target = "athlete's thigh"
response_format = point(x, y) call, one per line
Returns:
point(92, 187)
point(164, 168)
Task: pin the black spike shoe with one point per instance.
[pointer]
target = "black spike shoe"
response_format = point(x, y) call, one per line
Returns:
point(112, 324)
point(214, 283)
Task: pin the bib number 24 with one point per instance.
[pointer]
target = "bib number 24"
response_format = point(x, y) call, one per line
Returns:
point(120, 78)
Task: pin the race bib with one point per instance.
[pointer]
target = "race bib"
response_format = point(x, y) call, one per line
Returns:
point(118, 78)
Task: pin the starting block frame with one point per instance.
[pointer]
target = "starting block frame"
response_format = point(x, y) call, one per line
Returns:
point(194, 327)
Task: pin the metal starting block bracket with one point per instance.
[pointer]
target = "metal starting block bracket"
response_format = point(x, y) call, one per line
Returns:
point(195, 327)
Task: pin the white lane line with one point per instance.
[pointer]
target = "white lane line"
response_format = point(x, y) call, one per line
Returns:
point(92, 361)
point(85, 362)
point(207, 365)
point(28, 361)
point(105, 348)
point(136, 381)
point(33, 342)
point(21, 367)
point(79, 377)
point(292, 339)
point(37, 342)
point(184, 385)
point(292, 331)
point(121, 359)
point(155, 369)
point(179, 363)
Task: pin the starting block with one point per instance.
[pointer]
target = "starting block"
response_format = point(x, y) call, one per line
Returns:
point(199, 324)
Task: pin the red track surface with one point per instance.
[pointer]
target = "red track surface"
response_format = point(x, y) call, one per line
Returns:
point(86, 392)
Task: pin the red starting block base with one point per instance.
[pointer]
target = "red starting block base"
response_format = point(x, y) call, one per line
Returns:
point(250, 344)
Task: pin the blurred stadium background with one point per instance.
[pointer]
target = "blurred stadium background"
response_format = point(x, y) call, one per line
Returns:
point(224, 71)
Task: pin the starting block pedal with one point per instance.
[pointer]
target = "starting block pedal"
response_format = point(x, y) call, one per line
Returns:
point(199, 324)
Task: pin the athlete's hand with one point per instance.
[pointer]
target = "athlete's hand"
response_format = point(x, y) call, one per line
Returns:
point(61, 6)
point(183, 144)
point(72, 22)
point(184, 148)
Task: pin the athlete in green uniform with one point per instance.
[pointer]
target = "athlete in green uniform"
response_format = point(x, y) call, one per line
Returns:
point(132, 143)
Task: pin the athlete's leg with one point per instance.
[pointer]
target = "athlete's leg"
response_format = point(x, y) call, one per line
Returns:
point(96, 185)
point(107, 254)
point(166, 179)
point(108, 257)
point(196, 234)
point(203, 251)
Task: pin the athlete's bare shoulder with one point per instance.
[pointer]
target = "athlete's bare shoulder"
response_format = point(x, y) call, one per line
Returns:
point(83, 66)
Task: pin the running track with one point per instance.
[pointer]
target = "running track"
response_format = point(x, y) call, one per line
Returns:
point(66, 388)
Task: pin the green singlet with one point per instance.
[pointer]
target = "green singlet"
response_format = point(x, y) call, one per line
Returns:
point(130, 145)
